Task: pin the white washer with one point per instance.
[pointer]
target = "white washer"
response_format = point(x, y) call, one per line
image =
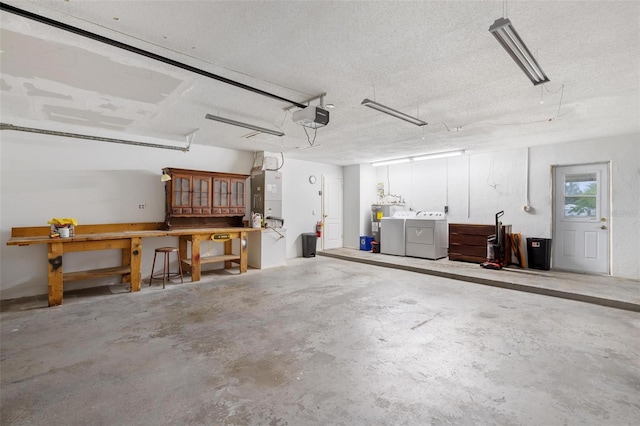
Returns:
point(392, 234)
point(426, 236)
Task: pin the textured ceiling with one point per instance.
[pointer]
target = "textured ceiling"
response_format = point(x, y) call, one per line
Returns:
point(431, 59)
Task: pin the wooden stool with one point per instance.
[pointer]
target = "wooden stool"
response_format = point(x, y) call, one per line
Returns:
point(166, 273)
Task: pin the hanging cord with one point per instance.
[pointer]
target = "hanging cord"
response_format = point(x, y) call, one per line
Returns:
point(490, 175)
point(560, 103)
point(315, 133)
point(283, 118)
point(388, 182)
point(504, 9)
point(274, 230)
point(281, 164)
point(560, 90)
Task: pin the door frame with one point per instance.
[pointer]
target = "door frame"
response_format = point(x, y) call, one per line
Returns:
point(604, 212)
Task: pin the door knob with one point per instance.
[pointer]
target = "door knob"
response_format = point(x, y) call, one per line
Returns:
point(603, 227)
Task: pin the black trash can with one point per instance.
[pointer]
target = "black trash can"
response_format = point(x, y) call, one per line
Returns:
point(309, 240)
point(539, 253)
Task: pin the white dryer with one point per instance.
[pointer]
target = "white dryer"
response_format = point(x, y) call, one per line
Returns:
point(426, 235)
point(392, 233)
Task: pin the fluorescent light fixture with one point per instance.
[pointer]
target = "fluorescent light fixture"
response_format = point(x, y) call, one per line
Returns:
point(401, 115)
point(419, 158)
point(245, 125)
point(508, 37)
point(438, 155)
point(387, 162)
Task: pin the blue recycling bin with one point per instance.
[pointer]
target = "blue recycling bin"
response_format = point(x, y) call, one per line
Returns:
point(365, 243)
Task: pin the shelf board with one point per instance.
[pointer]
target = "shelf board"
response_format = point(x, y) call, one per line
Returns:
point(215, 259)
point(96, 273)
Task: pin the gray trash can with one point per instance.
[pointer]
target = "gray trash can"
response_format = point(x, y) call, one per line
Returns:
point(309, 240)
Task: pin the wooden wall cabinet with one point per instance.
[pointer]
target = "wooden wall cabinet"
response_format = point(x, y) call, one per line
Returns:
point(228, 195)
point(196, 198)
point(468, 242)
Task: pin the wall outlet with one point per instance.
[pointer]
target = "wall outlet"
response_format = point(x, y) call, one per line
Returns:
point(141, 206)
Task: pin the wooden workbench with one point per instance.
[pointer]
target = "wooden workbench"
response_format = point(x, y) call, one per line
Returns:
point(128, 238)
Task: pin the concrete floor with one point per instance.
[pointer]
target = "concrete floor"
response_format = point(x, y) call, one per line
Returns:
point(602, 290)
point(320, 341)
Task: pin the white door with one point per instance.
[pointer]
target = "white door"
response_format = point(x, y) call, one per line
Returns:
point(581, 218)
point(332, 212)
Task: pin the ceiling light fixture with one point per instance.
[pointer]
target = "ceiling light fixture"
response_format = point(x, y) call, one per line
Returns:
point(401, 115)
point(508, 37)
point(388, 162)
point(439, 155)
point(419, 158)
point(241, 124)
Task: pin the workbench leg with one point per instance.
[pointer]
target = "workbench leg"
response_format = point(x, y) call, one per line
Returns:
point(136, 263)
point(54, 256)
point(228, 249)
point(182, 249)
point(195, 258)
point(244, 244)
point(126, 261)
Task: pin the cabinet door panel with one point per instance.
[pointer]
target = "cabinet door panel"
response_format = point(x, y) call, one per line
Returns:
point(201, 192)
point(220, 192)
point(237, 193)
point(181, 191)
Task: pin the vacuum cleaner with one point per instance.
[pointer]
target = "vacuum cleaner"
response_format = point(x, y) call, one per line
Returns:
point(495, 247)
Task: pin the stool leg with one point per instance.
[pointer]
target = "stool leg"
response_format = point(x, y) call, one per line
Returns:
point(165, 271)
point(180, 267)
point(153, 266)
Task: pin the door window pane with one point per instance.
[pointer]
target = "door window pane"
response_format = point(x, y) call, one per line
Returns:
point(580, 195)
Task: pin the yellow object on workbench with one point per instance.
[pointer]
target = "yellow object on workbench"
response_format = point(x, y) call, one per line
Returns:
point(61, 221)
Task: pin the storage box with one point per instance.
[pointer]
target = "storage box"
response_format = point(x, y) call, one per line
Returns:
point(365, 243)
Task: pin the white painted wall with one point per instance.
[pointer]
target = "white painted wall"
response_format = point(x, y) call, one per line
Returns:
point(359, 194)
point(42, 177)
point(477, 186)
point(367, 197)
point(351, 203)
point(302, 200)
